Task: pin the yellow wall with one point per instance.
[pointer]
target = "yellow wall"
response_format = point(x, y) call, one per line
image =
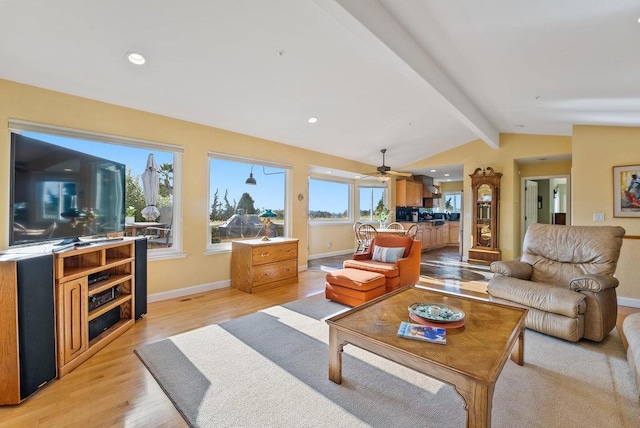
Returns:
point(596, 150)
point(47, 107)
point(332, 238)
point(477, 154)
point(545, 169)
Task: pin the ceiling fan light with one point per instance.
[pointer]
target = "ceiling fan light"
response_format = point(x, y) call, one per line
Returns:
point(383, 178)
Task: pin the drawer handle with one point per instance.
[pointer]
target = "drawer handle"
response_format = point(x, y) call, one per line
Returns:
point(264, 254)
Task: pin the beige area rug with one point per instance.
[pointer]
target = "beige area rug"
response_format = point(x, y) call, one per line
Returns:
point(270, 369)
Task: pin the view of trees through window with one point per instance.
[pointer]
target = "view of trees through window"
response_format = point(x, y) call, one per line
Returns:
point(246, 201)
point(453, 202)
point(370, 199)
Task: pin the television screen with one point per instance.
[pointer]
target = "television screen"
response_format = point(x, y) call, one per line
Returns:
point(58, 193)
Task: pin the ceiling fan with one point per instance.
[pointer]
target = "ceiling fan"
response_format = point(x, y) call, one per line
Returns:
point(384, 173)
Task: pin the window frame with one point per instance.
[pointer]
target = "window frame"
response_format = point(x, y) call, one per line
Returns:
point(369, 185)
point(457, 193)
point(225, 247)
point(21, 126)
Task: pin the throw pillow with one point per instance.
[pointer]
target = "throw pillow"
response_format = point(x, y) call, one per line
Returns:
point(387, 254)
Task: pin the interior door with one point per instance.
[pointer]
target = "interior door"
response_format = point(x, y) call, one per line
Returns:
point(531, 203)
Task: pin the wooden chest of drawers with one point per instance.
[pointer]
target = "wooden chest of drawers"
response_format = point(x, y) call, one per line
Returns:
point(258, 265)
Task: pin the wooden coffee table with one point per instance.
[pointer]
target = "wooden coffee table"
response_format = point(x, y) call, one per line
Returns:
point(471, 360)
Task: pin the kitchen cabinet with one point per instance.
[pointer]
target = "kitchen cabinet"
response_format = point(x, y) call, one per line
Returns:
point(408, 193)
point(431, 236)
point(454, 233)
point(485, 191)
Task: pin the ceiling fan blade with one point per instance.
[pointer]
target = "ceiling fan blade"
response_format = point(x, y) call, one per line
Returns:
point(400, 174)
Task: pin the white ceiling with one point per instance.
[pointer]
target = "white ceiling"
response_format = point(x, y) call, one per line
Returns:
point(417, 77)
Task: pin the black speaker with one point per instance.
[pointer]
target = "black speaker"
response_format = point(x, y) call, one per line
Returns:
point(36, 323)
point(141, 278)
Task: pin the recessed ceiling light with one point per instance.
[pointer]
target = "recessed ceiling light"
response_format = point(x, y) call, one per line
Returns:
point(329, 172)
point(432, 170)
point(446, 175)
point(136, 58)
point(313, 120)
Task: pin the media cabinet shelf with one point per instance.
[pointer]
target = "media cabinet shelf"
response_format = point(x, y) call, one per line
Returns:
point(70, 271)
point(113, 280)
point(83, 332)
point(108, 306)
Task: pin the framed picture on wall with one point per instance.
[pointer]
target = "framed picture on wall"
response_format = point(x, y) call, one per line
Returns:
point(626, 191)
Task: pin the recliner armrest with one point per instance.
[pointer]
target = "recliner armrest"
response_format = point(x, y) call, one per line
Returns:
point(593, 282)
point(361, 256)
point(512, 268)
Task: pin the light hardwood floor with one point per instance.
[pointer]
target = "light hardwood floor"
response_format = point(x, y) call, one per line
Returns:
point(114, 389)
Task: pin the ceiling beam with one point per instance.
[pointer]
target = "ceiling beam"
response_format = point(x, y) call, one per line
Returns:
point(370, 21)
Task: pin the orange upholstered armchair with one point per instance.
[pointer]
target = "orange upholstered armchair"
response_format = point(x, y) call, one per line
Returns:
point(394, 256)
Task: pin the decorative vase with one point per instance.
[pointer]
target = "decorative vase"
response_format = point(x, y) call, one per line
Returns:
point(129, 220)
point(383, 224)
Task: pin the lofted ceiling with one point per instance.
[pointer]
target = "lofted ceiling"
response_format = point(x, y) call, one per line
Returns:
point(417, 77)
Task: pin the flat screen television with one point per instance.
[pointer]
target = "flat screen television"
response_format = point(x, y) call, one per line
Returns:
point(62, 194)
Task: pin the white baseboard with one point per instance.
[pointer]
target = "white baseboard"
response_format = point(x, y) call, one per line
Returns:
point(156, 297)
point(187, 291)
point(332, 254)
point(627, 301)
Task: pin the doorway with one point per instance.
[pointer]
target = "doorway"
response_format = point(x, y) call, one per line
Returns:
point(545, 200)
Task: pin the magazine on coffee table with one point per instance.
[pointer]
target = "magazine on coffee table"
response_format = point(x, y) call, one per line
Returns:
point(422, 332)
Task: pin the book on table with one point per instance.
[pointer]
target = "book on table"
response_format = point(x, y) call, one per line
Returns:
point(422, 332)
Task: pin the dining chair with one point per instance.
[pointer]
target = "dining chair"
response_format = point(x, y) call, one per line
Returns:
point(395, 226)
point(412, 231)
point(356, 233)
point(367, 232)
point(161, 234)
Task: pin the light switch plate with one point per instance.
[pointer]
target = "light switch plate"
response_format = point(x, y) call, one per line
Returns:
point(598, 216)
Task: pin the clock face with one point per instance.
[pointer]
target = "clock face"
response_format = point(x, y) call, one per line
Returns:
point(484, 192)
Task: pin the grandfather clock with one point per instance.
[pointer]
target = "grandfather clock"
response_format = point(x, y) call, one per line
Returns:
point(485, 185)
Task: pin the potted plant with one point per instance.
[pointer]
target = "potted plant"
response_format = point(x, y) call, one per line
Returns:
point(382, 215)
point(130, 215)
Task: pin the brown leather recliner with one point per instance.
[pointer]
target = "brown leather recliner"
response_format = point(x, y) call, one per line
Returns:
point(401, 272)
point(565, 279)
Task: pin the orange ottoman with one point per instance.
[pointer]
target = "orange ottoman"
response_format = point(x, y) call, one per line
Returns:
point(354, 286)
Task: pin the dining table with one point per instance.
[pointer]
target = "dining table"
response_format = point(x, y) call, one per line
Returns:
point(392, 231)
point(132, 229)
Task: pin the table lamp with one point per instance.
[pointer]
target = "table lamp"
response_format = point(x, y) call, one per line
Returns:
point(266, 217)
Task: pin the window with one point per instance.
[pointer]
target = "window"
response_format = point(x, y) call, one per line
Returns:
point(370, 197)
point(240, 191)
point(328, 200)
point(453, 202)
point(106, 158)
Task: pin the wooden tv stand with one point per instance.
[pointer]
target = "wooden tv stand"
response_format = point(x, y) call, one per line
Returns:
point(82, 332)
